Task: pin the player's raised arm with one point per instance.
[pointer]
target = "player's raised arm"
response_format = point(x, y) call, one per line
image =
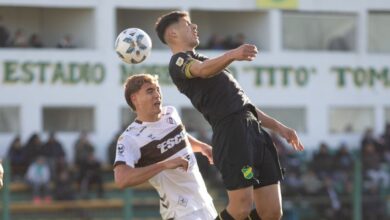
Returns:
point(287, 133)
point(126, 176)
point(215, 65)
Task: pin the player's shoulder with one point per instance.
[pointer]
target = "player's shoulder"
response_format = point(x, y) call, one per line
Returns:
point(169, 110)
point(131, 131)
point(178, 60)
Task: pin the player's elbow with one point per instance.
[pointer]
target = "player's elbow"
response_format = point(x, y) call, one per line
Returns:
point(120, 178)
point(120, 182)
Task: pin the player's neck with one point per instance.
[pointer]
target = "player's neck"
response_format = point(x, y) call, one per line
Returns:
point(180, 48)
point(148, 118)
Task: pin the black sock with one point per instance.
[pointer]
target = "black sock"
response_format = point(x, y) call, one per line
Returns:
point(224, 215)
point(253, 215)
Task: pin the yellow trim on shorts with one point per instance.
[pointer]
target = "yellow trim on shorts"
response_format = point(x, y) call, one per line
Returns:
point(187, 71)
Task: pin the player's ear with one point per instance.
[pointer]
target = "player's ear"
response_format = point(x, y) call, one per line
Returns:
point(171, 33)
point(134, 100)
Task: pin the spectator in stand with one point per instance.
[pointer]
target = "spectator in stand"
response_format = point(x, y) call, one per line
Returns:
point(33, 148)
point(63, 182)
point(35, 41)
point(372, 170)
point(239, 40)
point(311, 184)
point(323, 161)
point(82, 148)
point(38, 177)
point(53, 151)
point(368, 136)
point(4, 34)
point(373, 206)
point(91, 174)
point(343, 164)
point(111, 149)
point(331, 207)
point(19, 39)
point(293, 184)
point(66, 42)
point(216, 42)
point(17, 157)
point(385, 140)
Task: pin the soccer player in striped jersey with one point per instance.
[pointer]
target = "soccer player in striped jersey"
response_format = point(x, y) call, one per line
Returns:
point(157, 148)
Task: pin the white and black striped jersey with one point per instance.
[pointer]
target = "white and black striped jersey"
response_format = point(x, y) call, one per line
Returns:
point(145, 143)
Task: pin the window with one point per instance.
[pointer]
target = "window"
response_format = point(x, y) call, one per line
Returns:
point(351, 120)
point(319, 31)
point(221, 30)
point(141, 18)
point(379, 32)
point(293, 117)
point(47, 27)
point(9, 119)
point(68, 119)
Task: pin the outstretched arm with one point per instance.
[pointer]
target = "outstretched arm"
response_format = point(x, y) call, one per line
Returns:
point(213, 66)
point(198, 146)
point(126, 176)
point(287, 133)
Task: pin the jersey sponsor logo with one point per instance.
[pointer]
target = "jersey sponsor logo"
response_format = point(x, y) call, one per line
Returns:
point(171, 142)
point(159, 150)
point(179, 61)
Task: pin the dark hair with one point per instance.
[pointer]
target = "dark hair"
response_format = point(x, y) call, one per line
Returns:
point(134, 83)
point(166, 20)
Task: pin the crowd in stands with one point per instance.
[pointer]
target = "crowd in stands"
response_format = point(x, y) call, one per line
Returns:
point(45, 167)
point(325, 175)
point(328, 175)
point(20, 39)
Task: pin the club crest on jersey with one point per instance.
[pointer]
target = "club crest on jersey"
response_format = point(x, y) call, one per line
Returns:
point(121, 149)
point(171, 142)
point(247, 172)
point(179, 61)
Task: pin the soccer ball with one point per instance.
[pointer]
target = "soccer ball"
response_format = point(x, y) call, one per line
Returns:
point(133, 45)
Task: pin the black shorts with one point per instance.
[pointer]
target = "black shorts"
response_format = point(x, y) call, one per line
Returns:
point(244, 153)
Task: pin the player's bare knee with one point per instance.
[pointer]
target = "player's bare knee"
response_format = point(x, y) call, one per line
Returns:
point(241, 207)
point(241, 212)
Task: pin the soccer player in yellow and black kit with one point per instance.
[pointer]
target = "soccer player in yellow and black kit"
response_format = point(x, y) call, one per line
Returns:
point(242, 151)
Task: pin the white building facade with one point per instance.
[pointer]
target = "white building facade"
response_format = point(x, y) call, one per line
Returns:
point(323, 69)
